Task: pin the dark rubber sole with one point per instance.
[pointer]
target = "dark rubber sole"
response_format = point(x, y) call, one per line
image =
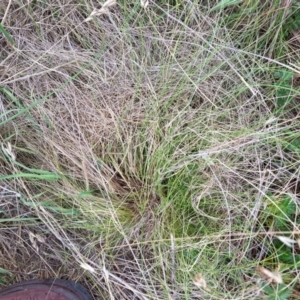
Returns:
point(67, 290)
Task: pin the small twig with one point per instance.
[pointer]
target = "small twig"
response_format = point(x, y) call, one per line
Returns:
point(85, 174)
point(173, 267)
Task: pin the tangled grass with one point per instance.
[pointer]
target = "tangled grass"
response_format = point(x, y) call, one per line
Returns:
point(144, 150)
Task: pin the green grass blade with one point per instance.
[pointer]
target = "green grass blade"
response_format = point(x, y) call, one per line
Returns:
point(6, 34)
point(225, 3)
point(5, 272)
point(50, 176)
point(11, 96)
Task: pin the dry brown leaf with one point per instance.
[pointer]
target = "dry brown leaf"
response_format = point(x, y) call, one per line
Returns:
point(269, 276)
point(40, 239)
point(33, 241)
point(87, 267)
point(10, 151)
point(200, 281)
point(102, 11)
point(144, 3)
point(287, 241)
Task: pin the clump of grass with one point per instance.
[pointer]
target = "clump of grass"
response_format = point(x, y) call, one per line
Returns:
point(141, 146)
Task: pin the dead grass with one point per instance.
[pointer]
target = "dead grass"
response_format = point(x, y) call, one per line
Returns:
point(165, 142)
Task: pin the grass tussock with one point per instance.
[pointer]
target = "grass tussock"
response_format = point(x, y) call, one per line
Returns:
point(151, 151)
